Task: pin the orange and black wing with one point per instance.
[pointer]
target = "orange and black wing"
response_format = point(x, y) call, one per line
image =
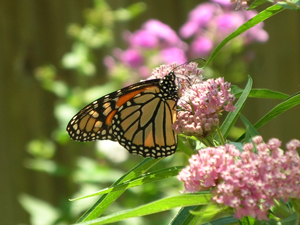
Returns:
point(94, 121)
point(139, 117)
point(144, 124)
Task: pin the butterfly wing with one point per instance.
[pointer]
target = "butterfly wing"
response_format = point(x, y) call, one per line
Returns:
point(144, 125)
point(93, 122)
point(139, 117)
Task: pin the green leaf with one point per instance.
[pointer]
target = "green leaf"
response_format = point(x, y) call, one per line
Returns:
point(250, 130)
point(291, 220)
point(256, 3)
point(263, 222)
point(213, 212)
point(201, 214)
point(137, 9)
point(106, 200)
point(276, 111)
point(279, 109)
point(259, 93)
point(248, 220)
point(184, 217)
point(233, 116)
point(144, 179)
point(200, 198)
point(129, 13)
point(267, 13)
point(293, 5)
point(224, 221)
point(281, 209)
point(184, 144)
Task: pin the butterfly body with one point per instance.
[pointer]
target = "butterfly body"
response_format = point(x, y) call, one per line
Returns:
point(139, 117)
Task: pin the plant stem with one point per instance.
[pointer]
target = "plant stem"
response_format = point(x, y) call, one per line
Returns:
point(208, 141)
point(221, 136)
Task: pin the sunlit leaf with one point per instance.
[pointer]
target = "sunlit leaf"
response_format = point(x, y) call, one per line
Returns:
point(233, 116)
point(144, 179)
point(161, 205)
point(107, 199)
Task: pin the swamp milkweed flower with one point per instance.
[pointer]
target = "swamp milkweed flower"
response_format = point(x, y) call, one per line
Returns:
point(201, 105)
point(246, 181)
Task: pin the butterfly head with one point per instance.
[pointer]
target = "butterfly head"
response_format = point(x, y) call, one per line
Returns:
point(168, 87)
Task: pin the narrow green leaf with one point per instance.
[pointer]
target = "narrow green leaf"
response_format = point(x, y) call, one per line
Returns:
point(265, 93)
point(292, 5)
point(200, 198)
point(184, 144)
point(250, 130)
point(233, 116)
point(267, 13)
point(224, 221)
point(279, 109)
point(213, 212)
point(144, 179)
point(260, 93)
point(184, 216)
point(106, 200)
point(281, 209)
point(252, 221)
point(257, 3)
point(276, 111)
point(291, 220)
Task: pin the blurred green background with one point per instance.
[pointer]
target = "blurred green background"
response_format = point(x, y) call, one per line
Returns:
point(33, 33)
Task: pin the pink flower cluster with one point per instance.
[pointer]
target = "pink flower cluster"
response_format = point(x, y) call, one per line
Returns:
point(201, 104)
point(157, 43)
point(246, 181)
point(209, 23)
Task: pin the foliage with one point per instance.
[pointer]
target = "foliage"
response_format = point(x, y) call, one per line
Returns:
point(139, 181)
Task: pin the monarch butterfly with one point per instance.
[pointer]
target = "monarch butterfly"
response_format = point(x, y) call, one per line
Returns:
point(139, 117)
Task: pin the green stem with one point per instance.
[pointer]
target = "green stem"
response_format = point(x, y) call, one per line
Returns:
point(208, 141)
point(220, 136)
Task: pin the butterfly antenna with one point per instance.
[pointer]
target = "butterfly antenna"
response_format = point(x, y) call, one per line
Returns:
point(185, 77)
